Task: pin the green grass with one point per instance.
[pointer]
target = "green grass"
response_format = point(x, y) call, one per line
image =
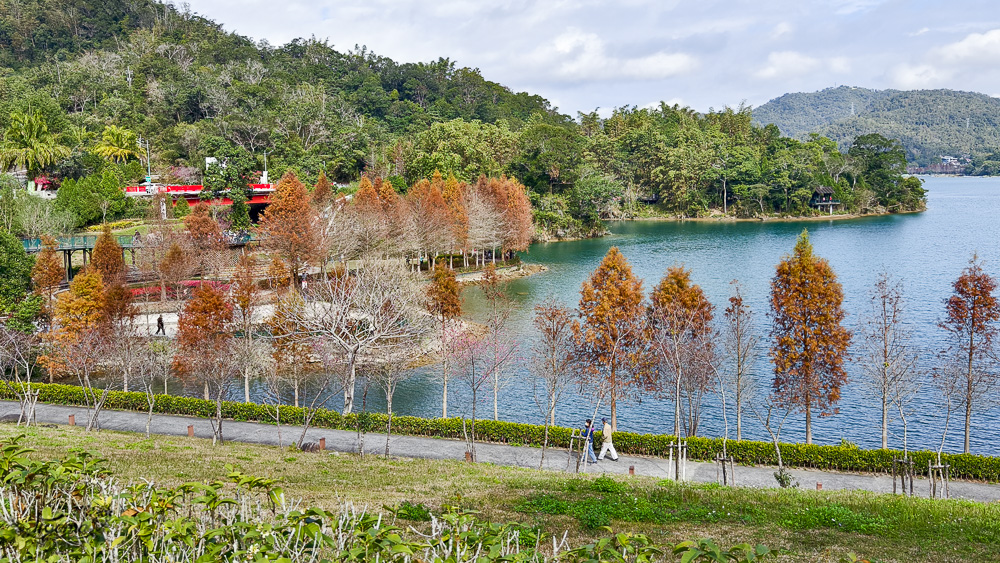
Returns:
point(813, 525)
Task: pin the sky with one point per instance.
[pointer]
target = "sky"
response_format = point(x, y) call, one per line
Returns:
point(585, 55)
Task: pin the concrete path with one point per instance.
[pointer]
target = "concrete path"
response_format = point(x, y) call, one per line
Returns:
point(515, 456)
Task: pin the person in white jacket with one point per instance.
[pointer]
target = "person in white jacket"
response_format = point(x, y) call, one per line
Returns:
point(607, 445)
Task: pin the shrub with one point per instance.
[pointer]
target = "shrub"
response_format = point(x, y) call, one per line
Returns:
point(836, 458)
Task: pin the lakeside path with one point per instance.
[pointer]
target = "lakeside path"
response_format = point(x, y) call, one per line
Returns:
point(556, 459)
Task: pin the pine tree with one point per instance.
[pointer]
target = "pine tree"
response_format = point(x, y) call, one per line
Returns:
point(681, 323)
point(971, 318)
point(48, 273)
point(610, 336)
point(288, 227)
point(809, 343)
point(445, 303)
point(106, 258)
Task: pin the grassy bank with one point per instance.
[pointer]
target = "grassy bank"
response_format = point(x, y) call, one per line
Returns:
point(815, 526)
point(844, 457)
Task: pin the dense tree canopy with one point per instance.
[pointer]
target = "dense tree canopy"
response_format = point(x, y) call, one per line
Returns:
point(89, 78)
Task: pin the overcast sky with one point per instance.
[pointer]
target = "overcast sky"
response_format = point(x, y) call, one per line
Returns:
point(583, 54)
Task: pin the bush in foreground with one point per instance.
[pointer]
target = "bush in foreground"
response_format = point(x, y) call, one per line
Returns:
point(71, 510)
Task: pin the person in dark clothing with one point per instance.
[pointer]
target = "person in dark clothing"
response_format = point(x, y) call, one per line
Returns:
point(588, 434)
point(159, 326)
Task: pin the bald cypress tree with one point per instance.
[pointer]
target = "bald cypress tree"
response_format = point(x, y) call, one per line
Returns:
point(808, 341)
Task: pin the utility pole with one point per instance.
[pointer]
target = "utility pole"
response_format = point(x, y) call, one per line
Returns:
point(149, 170)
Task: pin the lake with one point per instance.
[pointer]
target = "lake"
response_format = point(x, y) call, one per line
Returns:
point(926, 251)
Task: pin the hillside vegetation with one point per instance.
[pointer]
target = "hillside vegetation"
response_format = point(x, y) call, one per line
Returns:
point(89, 88)
point(929, 123)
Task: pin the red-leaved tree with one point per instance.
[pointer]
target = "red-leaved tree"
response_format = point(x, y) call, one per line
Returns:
point(809, 342)
point(971, 315)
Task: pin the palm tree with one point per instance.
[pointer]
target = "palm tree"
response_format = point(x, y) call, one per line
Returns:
point(117, 144)
point(28, 144)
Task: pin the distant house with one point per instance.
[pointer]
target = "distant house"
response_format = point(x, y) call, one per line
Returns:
point(822, 199)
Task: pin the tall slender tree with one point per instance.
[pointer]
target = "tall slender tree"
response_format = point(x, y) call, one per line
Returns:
point(553, 360)
point(741, 346)
point(681, 329)
point(444, 301)
point(809, 342)
point(204, 352)
point(971, 316)
point(289, 226)
point(610, 335)
point(889, 359)
point(48, 273)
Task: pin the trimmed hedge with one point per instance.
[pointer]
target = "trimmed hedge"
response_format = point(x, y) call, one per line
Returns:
point(745, 452)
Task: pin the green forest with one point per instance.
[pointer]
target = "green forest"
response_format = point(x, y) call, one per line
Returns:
point(89, 88)
point(929, 123)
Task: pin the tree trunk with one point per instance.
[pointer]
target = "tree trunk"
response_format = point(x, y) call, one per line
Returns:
point(677, 405)
point(295, 391)
point(968, 418)
point(885, 423)
point(349, 386)
point(739, 414)
point(809, 431)
point(246, 385)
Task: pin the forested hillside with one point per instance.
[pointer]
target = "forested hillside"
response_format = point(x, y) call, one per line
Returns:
point(929, 123)
point(85, 81)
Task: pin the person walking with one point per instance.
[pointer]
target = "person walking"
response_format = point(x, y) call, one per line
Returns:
point(159, 326)
point(606, 445)
point(588, 435)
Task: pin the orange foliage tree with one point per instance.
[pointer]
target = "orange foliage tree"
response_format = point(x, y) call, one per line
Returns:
point(510, 202)
point(972, 312)
point(445, 303)
point(204, 352)
point(107, 261)
point(246, 301)
point(288, 226)
point(106, 258)
point(206, 236)
point(681, 329)
point(48, 273)
point(322, 195)
point(610, 337)
point(809, 342)
point(453, 193)
point(79, 311)
point(433, 229)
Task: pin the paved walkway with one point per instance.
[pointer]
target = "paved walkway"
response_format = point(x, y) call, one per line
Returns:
point(514, 456)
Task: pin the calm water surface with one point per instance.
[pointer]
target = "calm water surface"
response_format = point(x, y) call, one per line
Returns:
point(926, 251)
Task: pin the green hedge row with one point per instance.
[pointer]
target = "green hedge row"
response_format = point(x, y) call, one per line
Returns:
point(745, 452)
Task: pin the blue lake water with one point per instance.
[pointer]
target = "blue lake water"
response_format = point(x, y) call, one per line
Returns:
point(926, 251)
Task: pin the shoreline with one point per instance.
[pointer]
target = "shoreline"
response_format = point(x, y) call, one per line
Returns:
point(729, 219)
point(771, 219)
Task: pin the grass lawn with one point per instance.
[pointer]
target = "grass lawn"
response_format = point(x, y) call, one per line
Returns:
point(814, 526)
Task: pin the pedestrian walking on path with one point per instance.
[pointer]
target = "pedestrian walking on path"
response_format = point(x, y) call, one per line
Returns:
point(159, 326)
point(588, 435)
point(606, 445)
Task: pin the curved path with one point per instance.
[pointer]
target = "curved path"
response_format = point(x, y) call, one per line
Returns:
point(515, 456)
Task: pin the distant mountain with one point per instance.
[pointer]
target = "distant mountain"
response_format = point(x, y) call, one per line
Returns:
point(929, 123)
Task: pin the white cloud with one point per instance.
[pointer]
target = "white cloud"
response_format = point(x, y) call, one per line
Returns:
point(975, 48)
point(920, 31)
point(907, 76)
point(841, 65)
point(577, 56)
point(848, 7)
point(782, 29)
point(670, 102)
point(782, 64)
